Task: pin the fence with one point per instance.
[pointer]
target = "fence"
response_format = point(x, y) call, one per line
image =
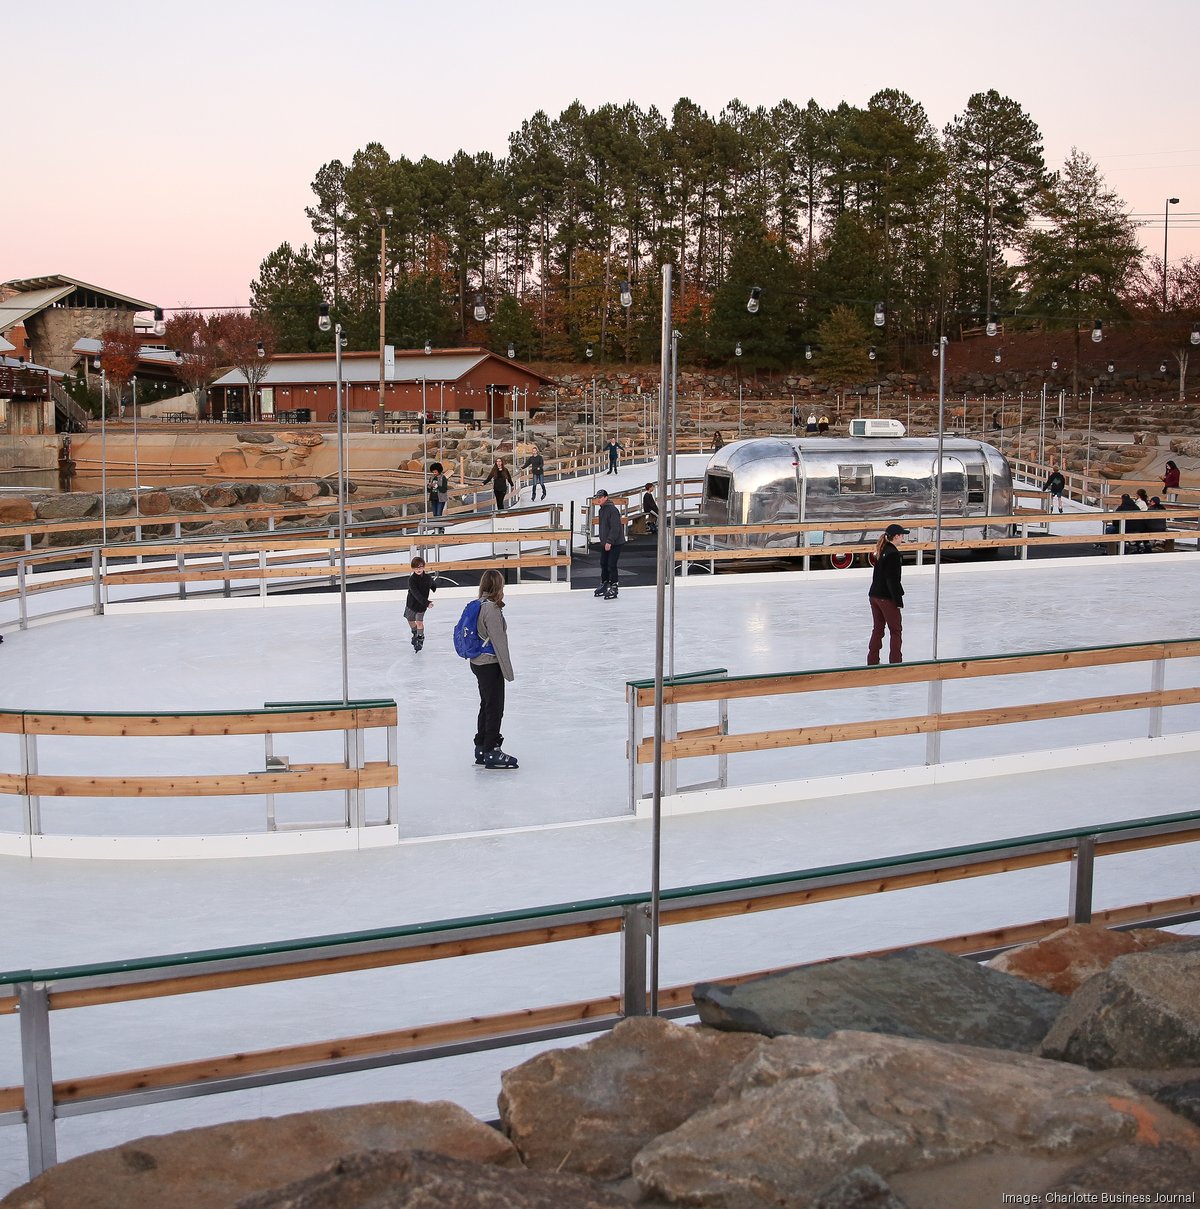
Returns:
point(42, 1099)
point(352, 777)
point(718, 689)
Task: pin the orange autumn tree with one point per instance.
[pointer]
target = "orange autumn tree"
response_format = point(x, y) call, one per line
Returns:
point(119, 349)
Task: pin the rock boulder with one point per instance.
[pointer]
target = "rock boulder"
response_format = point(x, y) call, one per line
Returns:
point(922, 993)
point(1066, 959)
point(418, 1180)
point(1143, 1011)
point(938, 1123)
point(592, 1108)
point(218, 1166)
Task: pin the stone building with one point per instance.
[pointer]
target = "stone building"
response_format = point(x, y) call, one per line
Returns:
point(43, 317)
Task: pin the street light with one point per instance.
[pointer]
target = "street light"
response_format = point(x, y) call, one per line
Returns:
point(480, 309)
point(512, 352)
point(808, 352)
point(871, 353)
point(1097, 331)
point(1194, 338)
point(383, 221)
point(428, 348)
point(626, 295)
point(1111, 367)
point(996, 356)
point(261, 349)
point(737, 349)
point(587, 352)
point(880, 315)
point(752, 301)
point(1171, 201)
point(323, 324)
point(160, 327)
point(991, 326)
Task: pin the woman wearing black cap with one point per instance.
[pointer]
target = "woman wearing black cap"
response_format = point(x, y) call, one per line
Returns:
point(886, 596)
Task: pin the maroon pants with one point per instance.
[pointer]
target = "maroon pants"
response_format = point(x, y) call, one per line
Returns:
point(884, 613)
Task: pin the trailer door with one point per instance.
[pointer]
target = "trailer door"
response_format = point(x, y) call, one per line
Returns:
point(954, 485)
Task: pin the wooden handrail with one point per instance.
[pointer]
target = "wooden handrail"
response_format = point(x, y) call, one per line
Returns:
point(732, 688)
point(260, 722)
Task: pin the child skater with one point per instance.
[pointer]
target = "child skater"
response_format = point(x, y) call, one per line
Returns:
point(420, 584)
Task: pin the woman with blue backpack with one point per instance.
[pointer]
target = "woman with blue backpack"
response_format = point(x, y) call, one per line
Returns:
point(482, 637)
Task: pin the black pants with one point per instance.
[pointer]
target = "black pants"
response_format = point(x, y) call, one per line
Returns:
point(608, 564)
point(500, 493)
point(491, 705)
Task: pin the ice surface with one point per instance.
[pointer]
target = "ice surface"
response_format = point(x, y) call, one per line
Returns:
point(566, 721)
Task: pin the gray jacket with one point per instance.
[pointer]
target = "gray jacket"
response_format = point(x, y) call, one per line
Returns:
point(611, 530)
point(494, 629)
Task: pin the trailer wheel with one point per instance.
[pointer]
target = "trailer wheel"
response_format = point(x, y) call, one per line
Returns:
point(871, 558)
point(840, 562)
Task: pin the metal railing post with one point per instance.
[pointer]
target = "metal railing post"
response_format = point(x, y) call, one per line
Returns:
point(22, 603)
point(37, 1076)
point(933, 740)
point(723, 728)
point(1083, 868)
point(97, 597)
point(262, 575)
point(1158, 680)
point(634, 737)
point(356, 814)
point(393, 791)
point(225, 566)
point(31, 803)
point(635, 927)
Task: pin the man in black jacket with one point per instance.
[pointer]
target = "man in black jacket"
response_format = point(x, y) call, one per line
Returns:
point(611, 537)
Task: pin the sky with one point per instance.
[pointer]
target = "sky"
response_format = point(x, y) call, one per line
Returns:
point(162, 151)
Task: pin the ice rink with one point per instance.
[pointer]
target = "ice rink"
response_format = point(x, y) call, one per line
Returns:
point(558, 829)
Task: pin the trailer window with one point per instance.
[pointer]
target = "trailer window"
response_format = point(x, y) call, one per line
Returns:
point(975, 486)
point(856, 480)
point(717, 487)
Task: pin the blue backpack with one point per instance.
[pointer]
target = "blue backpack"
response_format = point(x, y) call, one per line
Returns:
point(466, 634)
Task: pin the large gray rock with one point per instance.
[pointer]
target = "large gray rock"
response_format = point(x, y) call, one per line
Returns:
point(185, 499)
point(936, 1122)
point(69, 506)
point(1143, 1011)
point(590, 1109)
point(217, 1166)
point(248, 436)
point(911, 993)
point(428, 1181)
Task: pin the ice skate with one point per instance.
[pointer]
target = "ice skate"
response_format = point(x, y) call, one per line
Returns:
point(499, 759)
point(611, 592)
point(602, 590)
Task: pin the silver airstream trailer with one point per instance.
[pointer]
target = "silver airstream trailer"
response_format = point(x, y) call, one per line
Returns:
point(879, 478)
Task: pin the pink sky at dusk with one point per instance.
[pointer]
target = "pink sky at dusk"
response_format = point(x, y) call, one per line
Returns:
point(162, 151)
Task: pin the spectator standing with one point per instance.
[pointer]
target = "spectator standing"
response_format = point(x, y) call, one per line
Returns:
point(1170, 478)
point(612, 537)
point(614, 448)
point(439, 489)
point(501, 480)
point(886, 596)
point(420, 584)
point(650, 509)
point(491, 670)
point(536, 465)
point(1055, 484)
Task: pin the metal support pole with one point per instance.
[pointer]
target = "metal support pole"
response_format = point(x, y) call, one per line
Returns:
point(937, 491)
point(660, 617)
point(634, 918)
point(37, 1076)
point(31, 804)
point(1158, 681)
point(1083, 868)
point(341, 460)
point(22, 601)
point(933, 740)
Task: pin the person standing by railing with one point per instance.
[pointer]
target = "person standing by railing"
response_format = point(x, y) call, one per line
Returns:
point(611, 536)
point(614, 448)
point(1170, 480)
point(886, 596)
point(1055, 484)
point(501, 480)
point(536, 465)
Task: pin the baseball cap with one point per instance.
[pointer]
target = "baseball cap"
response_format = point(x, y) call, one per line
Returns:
point(893, 530)
point(601, 492)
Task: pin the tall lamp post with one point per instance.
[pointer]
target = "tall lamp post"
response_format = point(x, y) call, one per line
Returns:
point(387, 214)
point(324, 324)
point(1171, 201)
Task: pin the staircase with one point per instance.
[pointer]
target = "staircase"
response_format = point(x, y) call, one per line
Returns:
point(69, 415)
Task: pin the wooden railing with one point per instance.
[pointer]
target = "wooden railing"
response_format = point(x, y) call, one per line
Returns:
point(713, 544)
point(42, 1098)
point(351, 777)
point(718, 689)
